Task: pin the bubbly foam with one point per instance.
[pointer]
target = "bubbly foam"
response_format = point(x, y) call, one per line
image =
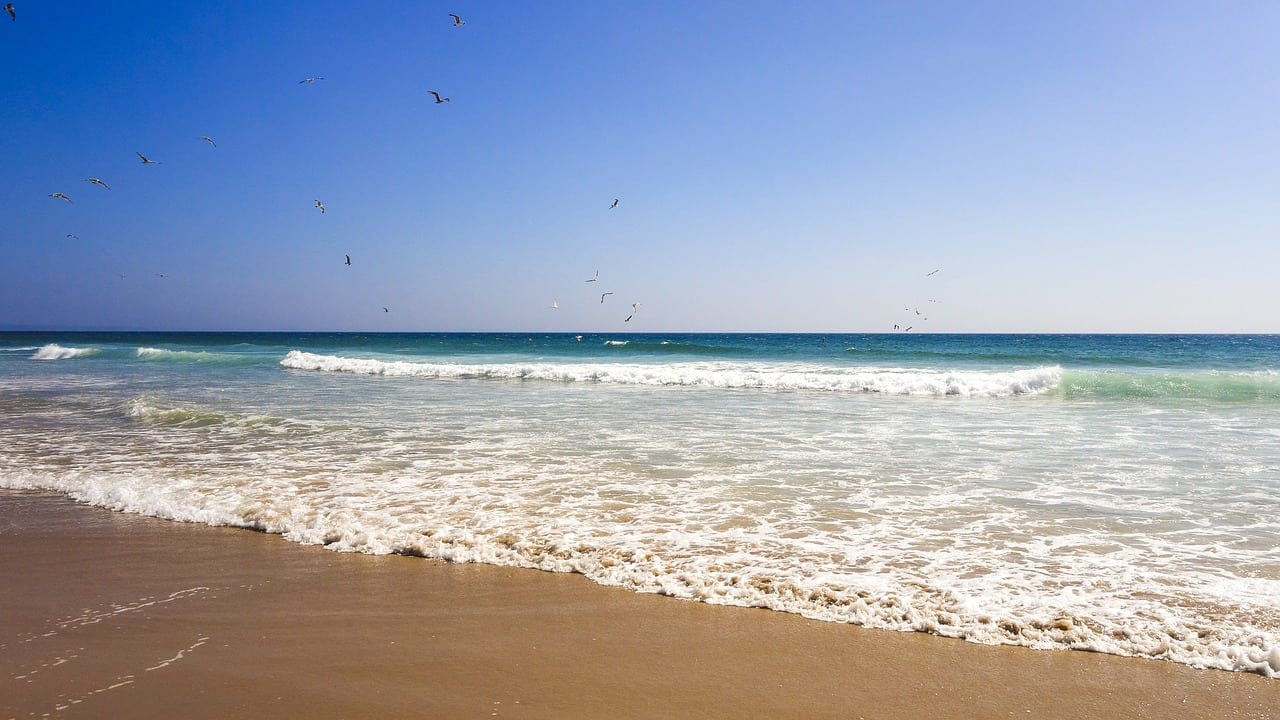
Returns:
point(890, 381)
point(54, 351)
point(191, 356)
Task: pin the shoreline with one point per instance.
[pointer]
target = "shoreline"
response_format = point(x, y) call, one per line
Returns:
point(105, 614)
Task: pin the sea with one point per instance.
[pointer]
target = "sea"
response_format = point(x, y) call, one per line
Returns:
point(1110, 493)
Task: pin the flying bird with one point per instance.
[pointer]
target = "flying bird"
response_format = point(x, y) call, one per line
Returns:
point(321, 206)
point(634, 306)
point(72, 236)
point(385, 310)
point(145, 160)
point(603, 296)
point(908, 328)
point(439, 99)
point(209, 140)
point(597, 277)
point(932, 273)
point(457, 21)
point(309, 80)
point(8, 7)
point(348, 259)
point(554, 305)
point(615, 204)
point(97, 181)
point(60, 196)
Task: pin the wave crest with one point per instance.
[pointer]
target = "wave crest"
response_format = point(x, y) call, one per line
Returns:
point(713, 375)
point(54, 351)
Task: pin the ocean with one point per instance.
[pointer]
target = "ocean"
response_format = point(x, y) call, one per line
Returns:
point(1111, 493)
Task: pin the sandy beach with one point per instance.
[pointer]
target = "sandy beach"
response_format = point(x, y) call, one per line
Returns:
point(105, 614)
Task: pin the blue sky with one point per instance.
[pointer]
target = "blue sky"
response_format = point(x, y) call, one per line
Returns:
point(1069, 167)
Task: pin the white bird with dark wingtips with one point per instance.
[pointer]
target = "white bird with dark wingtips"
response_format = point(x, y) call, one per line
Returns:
point(60, 196)
point(596, 278)
point(146, 160)
point(309, 80)
point(603, 296)
point(439, 99)
point(209, 140)
point(457, 21)
point(932, 273)
point(72, 236)
point(634, 306)
point(8, 7)
point(615, 204)
point(97, 181)
point(348, 259)
point(321, 206)
point(554, 305)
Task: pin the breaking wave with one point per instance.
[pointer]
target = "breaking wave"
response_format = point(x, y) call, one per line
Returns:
point(53, 351)
point(890, 381)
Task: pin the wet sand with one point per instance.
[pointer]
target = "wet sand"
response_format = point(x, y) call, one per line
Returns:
point(104, 614)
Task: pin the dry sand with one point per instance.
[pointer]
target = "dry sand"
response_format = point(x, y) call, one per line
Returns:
point(107, 615)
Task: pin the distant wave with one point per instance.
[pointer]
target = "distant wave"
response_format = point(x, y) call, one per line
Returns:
point(675, 348)
point(715, 375)
point(191, 356)
point(54, 351)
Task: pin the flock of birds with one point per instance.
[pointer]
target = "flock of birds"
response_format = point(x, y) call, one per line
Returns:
point(439, 100)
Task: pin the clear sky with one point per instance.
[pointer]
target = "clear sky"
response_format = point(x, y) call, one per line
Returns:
point(797, 166)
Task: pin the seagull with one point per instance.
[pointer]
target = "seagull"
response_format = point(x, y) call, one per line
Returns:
point(908, 328)
point(439, 99)
point(597, 277)
point(615, 204)
point(932, 273)
point(385, 310)
point(603, 296)
point(8, 7)
point(60, 196)
point(159, 275)
point(209, 140)
point(121, 275)
point(145, 160)
point(578, 338)
point(554, 305)
point(72, 236)
point(896, 326)
point(309, 80)
point(348, 259)
point(457, 21)
point(97, 181)
point(321, 206)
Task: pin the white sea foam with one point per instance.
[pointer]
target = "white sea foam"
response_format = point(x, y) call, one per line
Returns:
point(891, 381)
point(54, 351)
point(193, 356)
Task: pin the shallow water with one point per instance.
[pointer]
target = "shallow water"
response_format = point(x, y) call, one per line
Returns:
point(1112, 493)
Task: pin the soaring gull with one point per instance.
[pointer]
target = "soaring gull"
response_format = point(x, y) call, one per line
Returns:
point(603, 296)
point(60, 196)
point(146, 160)
point(309, 80)
point(321, 206)
point(8, 7)
point(457, 21)
point(97, 181)
point(209, 140)
point(439, 99)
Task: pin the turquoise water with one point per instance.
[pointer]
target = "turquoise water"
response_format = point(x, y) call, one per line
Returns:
point(1117, 493)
